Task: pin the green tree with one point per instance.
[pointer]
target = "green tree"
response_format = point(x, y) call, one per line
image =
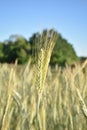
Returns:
point(63, 51)
point(17, 49)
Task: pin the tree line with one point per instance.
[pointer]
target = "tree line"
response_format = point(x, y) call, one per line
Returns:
point(18, 47)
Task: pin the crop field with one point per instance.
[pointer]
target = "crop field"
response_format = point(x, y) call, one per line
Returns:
point(41, 97)
point(63, 102)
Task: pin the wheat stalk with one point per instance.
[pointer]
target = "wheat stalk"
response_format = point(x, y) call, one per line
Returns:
point(43, 59)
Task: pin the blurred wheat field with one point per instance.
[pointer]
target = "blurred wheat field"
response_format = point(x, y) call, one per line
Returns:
point(40, 97)
point(63, 104)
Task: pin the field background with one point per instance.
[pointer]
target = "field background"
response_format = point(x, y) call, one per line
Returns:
point(64, 99)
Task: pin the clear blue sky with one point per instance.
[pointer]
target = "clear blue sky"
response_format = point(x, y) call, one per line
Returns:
point(24, 17)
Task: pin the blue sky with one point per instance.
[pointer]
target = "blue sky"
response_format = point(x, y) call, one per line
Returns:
point(24, 17)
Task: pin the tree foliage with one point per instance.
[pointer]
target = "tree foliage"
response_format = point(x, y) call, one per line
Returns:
point(63, 52)
point(17, 47)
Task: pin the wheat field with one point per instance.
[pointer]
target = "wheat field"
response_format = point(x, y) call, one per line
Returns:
point(40, 97)
point(63, 104)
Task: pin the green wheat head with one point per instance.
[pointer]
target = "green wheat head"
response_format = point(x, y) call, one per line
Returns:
point(45, 46)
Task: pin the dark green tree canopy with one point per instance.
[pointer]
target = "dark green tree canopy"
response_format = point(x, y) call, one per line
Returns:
point(63, 51)
point(17, 47)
